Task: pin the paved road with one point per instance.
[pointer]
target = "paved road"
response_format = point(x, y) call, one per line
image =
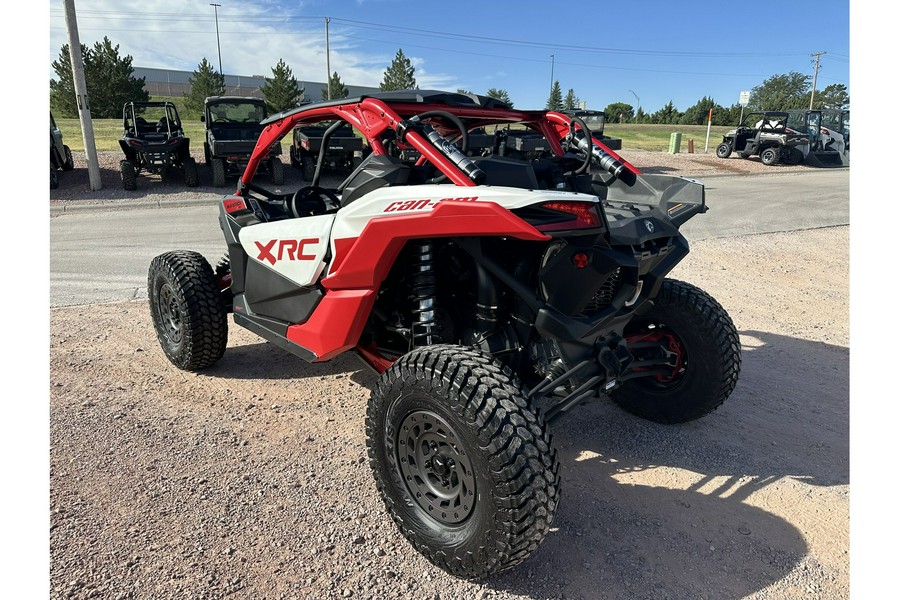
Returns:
point(102, 255)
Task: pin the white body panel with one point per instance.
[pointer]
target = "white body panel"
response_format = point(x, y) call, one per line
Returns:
point(409, 200)
point(294, 248)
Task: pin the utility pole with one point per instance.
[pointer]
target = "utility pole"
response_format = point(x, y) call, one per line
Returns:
point(84, 111)
point(552, 60)
point(327, 59)
point(218, 46)
point(815, 77)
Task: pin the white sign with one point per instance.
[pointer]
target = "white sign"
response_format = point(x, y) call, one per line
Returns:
point(745, 99)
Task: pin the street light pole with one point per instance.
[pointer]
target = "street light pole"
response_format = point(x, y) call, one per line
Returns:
point(639, 102)
point(218, 46)
point(552, 60)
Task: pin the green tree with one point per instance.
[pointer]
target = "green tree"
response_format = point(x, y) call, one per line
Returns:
point(109, 79)
point(781, 92)
point(698, 114)
point(499, 94)
point(462, 91)
point(554, 102)
point(338, 89)
point(571, 101)
point(833, 96)
point(400, 75)
point(640, 116)
point(668, 114)
point(619, 112)
point(205, 82)
point(282, 91)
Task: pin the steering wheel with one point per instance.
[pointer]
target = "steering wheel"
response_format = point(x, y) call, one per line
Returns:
point(588, 154)
point(312, 200)
point(464, 134)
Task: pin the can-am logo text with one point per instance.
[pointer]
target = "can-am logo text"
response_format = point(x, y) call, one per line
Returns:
point(285, 250)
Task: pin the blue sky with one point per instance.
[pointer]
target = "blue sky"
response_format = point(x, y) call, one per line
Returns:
point(642, 52)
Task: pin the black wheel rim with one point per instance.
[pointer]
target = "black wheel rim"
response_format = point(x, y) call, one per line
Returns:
point(170, 315)
point(435, 468)
point(666, 349)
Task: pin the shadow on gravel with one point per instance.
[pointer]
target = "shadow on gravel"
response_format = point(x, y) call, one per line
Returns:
point(693, 530)
point(267, 361)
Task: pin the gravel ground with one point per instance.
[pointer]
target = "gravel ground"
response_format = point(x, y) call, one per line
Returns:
point(250, 480)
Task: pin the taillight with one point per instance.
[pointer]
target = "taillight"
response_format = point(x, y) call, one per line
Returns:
point(136, 143)
point(585, 215)
point(304, 144)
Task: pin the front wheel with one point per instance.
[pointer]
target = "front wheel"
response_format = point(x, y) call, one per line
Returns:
point(723, 150)
point(218, 172)
point(187, 309)
point(465, 467)
point(689, 332)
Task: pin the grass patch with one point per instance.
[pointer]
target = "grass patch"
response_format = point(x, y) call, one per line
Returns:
point(107, 133)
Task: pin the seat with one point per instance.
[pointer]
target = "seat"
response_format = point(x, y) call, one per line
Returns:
point(375, 171)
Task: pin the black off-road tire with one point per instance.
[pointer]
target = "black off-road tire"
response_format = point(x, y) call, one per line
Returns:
point(292, 153)
point(502, 490)
point(723, 150)
point(54, 177)
point(187, 309)
point(794, 156)
point(69, 162)
point(277, 169)
point(128, 174)
point(770, 156)
point(700, 331)
point(191, 176)
point(218, 172)
point(308, 168)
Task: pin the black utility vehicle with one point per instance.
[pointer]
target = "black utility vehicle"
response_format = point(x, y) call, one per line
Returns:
point(154, 141)
point(60, 154)
point(765, 134)
point(232, 128)
point(343, 152)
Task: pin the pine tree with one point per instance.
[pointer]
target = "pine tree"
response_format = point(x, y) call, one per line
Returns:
point(400, 75)
point(205, 82)
point(501, 95)
point(571, 101)
point(338, 89)
point(282, 91)
point(109, 79)
point(554, 102)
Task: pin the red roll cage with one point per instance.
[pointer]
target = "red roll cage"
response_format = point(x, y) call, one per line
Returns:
point(372, 116)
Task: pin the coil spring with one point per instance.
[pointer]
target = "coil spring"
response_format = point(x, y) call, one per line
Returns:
point(425, 326)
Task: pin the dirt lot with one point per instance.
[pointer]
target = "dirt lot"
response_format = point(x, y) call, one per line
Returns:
point(250, 480)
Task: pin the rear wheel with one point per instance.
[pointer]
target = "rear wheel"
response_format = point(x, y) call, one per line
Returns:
point(723, 150)
point(69, 163)
point(191, 177)
point(277, 168)
point(465, 467)
point(309, 168)
point(218, 172)
point(794, 157)
point(691, 332)
point(770, 156)
point(187, 309)
point(128, 174)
